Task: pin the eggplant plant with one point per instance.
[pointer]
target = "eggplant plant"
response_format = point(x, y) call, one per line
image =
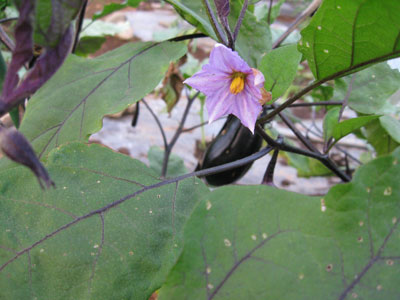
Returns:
point(102, 225)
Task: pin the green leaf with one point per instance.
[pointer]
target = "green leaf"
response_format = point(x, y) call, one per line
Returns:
point(278, 79)
point(254, 39)
point(113, 7)
point(89, 44)
point(344, 36)
point(392, 127)
point(370, 89)
point(110, 230)
point(176, 165)
point(306, 166)
point(71, 105)
point(259, 242)
point(348, 126)
point(379, 138)
point(330, 121)
point(261, 11)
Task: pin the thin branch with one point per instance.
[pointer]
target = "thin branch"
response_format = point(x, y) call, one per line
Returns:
point(300, 19)
point(178, 132)
point(194, 127)
point(269, 12)
point(5, 20)
point(324, 159)
point(164, 137)
point(214, 23)
point(268, 178)
point(240, 19)
point(79, 23)
point(323, 103)
point(6, 40)
point(306, 142)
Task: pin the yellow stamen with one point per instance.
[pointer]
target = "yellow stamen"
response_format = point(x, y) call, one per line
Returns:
point(237, 84)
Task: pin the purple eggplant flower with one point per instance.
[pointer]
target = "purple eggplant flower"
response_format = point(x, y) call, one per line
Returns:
point(231, 87)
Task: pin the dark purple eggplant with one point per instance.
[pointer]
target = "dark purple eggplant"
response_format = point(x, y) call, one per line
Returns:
point(233, 142)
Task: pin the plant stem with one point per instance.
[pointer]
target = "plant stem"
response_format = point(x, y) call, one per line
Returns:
point(7, 20)
point(178, 132)
point(240, 19)
point(269, 12)
point(300, 19)
point(164, 137)
point(324, 159)
point(289, 102)
point(6, 40)
point(79, 23)
point(214, 23)
point(323, 103)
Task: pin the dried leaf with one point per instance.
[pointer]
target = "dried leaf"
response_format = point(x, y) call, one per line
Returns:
point(172, 86)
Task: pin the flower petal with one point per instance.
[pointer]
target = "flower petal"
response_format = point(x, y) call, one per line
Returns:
point(219, 103)
point(228, 61)
point(247, 109)
point(258, 78)
point(206, 82)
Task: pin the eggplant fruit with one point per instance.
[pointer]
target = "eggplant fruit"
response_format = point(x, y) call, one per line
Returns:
point(233, 142)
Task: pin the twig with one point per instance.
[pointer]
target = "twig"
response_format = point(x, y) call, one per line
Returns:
point(214, 23)
point(5, 20)
point(240, 19)
point(269, 12)
point(6, 40)
point(79, 23)
point(178, 132)
point(324, 159)
point(194, 127)
point(323, 103)
point(268, 178)
point(164, 137)
point(306, 142)
point(300, 19)
point(289, 102)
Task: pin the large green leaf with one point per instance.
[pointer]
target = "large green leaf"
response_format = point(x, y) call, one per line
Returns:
point(344, 36)
point(110, 230)
point(259, 242)
point(254, 39)
point(379, 138)
point(392, 127)
point(278, 79)
point(72, 103)
point(369, 90)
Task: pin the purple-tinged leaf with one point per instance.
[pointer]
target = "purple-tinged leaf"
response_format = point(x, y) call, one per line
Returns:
point(16, 147)
point(44, 69)
point(57, 43)
point(23, 48)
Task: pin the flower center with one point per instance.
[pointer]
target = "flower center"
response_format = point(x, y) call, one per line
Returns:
point(237, 84)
